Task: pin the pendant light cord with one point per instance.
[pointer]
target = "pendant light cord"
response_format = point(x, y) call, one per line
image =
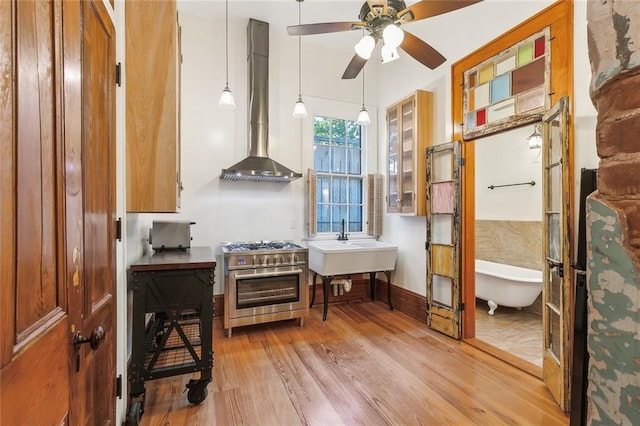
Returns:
point(299, 54)
point(226, 32)
point(363, 87)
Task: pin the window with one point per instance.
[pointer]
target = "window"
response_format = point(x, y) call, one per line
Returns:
point(337, 159)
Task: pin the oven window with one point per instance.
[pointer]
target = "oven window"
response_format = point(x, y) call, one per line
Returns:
point(253, 292)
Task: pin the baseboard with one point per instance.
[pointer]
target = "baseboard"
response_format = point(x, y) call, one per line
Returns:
point(405, 301)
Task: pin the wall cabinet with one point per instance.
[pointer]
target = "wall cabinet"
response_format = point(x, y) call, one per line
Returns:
point(152, 69)
point(409, 133)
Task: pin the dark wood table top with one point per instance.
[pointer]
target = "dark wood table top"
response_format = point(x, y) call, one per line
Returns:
point(192, 258)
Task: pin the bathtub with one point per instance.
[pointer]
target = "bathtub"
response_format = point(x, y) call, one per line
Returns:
point(506, 285)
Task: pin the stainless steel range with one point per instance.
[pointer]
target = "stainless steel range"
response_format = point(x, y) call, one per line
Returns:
point(264, 281)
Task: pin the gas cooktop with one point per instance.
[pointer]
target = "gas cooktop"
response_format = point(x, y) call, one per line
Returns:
point(248, 246)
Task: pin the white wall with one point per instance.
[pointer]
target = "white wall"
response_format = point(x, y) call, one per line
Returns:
point(213, 138)
point(466, 30)
point(504, 159)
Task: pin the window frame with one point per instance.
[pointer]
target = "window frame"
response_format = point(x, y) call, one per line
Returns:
point(331, 173)
point(346, 111)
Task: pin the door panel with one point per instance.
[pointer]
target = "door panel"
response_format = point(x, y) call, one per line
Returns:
point(556, 293)
point(34, 381)
point(443, 238)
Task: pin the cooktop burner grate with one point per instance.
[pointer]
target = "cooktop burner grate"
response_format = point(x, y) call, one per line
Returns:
point(259, 245)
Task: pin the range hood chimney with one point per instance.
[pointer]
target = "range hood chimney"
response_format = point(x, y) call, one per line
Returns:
point(258, 166)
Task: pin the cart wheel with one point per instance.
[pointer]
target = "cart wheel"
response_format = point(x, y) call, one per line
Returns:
point(135, 414)
point(197, 393)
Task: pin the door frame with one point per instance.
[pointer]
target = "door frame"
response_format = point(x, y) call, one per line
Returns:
point(559, 18)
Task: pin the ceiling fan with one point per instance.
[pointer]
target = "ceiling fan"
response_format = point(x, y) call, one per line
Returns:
point(381, 20)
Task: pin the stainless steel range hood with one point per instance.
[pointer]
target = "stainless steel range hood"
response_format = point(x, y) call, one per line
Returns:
point(258, 166)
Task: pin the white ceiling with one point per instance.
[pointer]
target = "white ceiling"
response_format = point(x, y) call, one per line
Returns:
point(454, 34)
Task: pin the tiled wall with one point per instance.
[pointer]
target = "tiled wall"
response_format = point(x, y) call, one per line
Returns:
point(517, 243)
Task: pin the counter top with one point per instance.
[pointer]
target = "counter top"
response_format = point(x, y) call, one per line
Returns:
point(192, 258)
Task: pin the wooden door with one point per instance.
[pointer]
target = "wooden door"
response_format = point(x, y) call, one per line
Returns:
point(34, 349)
point(57, 222)
point(444, 304)
point(556, 293)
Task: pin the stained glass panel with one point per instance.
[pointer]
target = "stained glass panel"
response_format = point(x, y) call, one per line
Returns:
point(442, 229)
point(442, 288)
point(442, 201)
point(519, 74)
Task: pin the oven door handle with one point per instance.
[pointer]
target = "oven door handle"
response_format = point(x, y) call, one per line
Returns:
point(245, 274)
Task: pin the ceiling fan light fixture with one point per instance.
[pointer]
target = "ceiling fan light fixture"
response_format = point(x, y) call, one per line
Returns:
point(392, 36)
point(365, 46)
point(389, 54)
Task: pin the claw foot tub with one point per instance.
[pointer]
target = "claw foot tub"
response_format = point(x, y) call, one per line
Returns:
point(506, 285)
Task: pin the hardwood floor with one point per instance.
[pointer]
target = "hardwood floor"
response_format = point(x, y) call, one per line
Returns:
point(365, 365)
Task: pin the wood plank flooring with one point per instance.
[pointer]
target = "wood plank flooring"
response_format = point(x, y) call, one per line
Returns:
point(365, 365)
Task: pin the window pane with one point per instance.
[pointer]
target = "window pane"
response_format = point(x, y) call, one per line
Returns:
point(321, 158)
point(324, 218)
point(321, 128)
point(339, 190)
point(353, 165)
point(339, 214)
point(323, 189)
point(338, 132)
point(355, 219)
point(338, 160)
point(355, 191)
point(442, 290)
point(353, 134)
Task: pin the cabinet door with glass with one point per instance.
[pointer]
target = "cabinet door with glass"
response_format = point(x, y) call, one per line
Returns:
point(409, 133)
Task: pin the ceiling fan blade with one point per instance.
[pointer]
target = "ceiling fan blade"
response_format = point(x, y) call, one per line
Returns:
point(421, 51)
point(326, 27)
point(428, 8)
point(354, 67)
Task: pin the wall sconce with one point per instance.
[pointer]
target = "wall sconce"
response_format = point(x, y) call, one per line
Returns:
point(535, 139)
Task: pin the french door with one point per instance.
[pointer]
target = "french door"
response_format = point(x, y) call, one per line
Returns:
point(444, 303)
point(556, 294)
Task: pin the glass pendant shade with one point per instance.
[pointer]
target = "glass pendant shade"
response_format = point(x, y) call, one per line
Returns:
point(392, 36)
point(389, 53)
point(535, 139)
point(363, 117)
point(226, 99)
point(365, 46)
point(299, 110)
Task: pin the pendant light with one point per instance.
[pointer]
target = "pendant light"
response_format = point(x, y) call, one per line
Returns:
point(299, 110)
point(363, 117)
point(226, 99)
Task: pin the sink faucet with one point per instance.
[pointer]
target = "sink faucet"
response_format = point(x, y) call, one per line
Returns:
point(342, 236)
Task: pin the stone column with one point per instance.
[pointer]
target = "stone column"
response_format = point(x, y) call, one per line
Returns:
point(613, 215)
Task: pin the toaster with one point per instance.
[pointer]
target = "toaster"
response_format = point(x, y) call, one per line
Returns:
point(170, 235)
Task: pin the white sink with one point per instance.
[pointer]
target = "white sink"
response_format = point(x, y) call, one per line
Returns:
point(351, 257)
